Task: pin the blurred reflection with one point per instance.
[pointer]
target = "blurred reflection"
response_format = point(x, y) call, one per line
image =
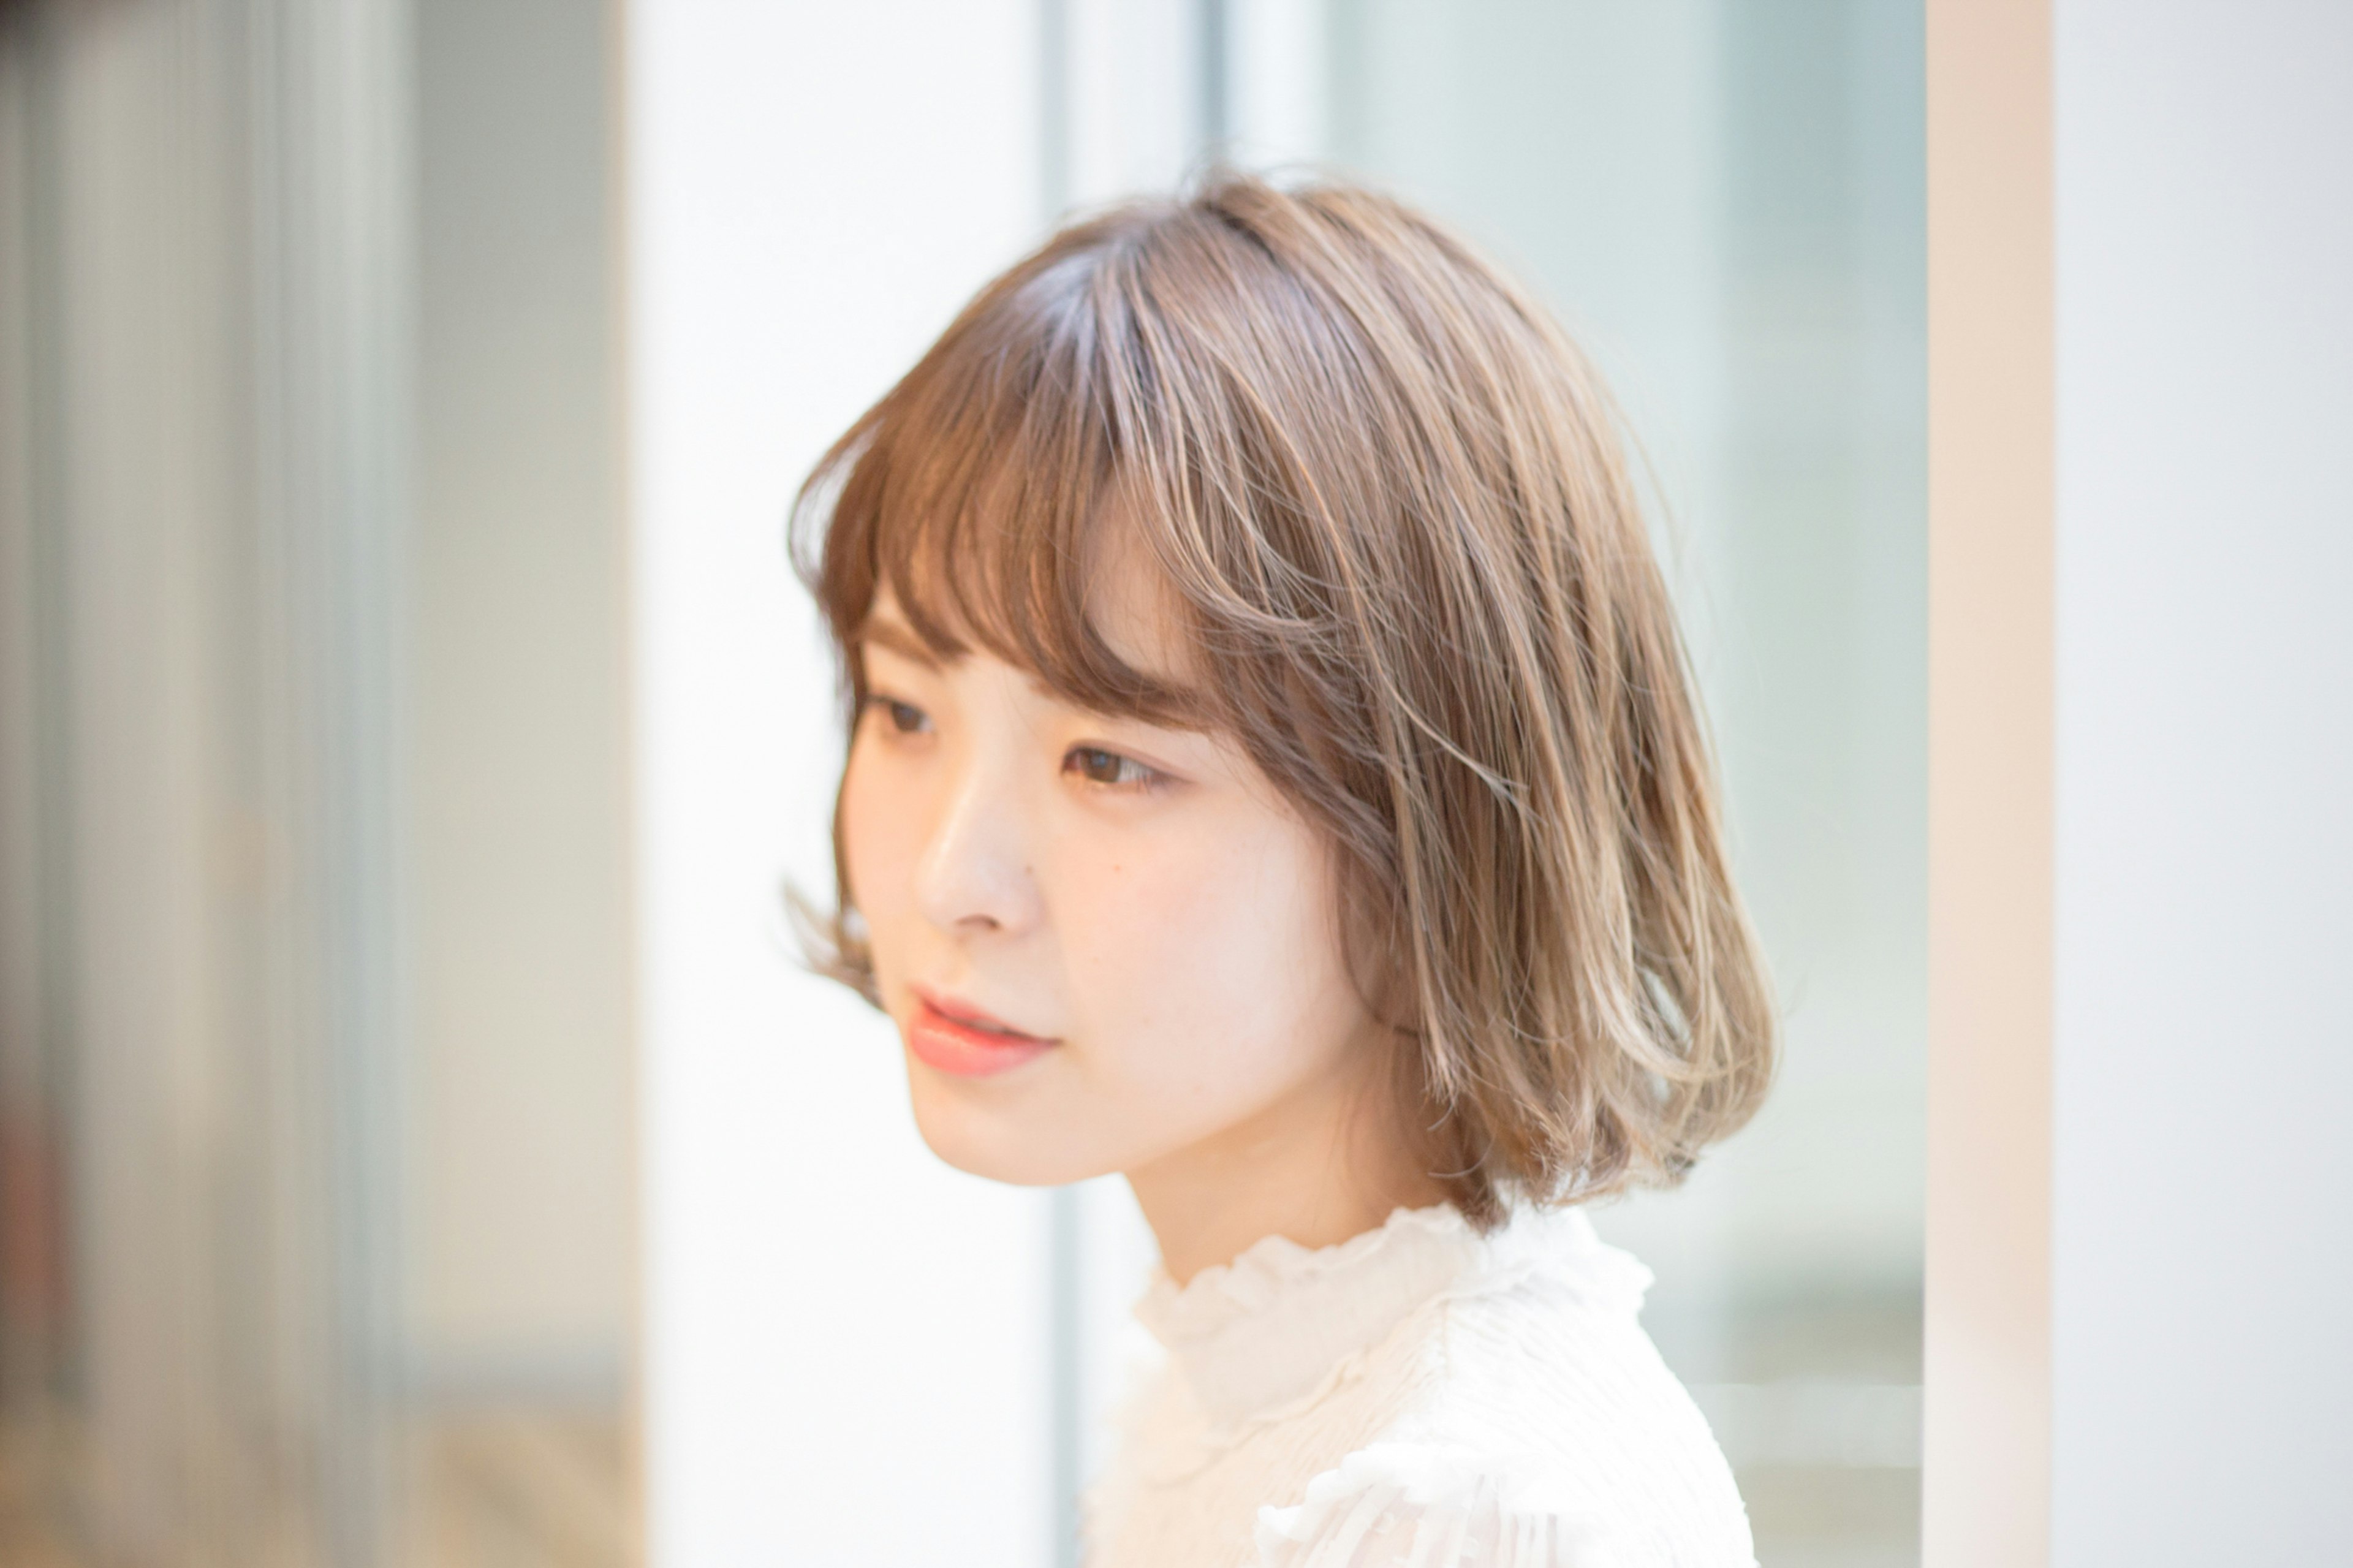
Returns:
point(313, 980)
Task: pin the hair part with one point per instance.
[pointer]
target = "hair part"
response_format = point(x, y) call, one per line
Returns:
point(1391, 504)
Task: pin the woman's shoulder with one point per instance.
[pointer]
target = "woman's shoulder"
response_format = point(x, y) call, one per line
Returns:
point(1544, 1344)
point(1421, 1505)
point(1430, 1505)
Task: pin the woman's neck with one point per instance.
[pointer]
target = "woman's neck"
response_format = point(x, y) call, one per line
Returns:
point(1319, 1167)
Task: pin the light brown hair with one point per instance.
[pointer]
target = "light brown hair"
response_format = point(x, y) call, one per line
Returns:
point(1390, 500)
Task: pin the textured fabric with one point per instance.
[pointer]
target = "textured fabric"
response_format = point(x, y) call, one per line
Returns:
point(1419, 1397)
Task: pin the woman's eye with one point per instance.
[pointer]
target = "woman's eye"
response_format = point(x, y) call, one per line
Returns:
point(904, 717)
point(1098, 766)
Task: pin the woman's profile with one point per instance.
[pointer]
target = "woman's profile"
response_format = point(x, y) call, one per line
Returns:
point(1274, 776)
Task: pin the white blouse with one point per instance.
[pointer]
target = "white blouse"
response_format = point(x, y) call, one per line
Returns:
point(1419, 1396)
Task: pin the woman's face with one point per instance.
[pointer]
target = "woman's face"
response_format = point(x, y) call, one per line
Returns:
point(1104, 942)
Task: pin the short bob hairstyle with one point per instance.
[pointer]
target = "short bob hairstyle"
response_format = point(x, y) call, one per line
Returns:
point(1391, 506)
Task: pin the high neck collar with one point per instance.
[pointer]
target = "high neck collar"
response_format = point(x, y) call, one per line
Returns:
point(1274, 1325)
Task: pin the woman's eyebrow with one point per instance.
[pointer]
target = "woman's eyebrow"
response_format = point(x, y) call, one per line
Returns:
point(1190, 715)
point(893, 635)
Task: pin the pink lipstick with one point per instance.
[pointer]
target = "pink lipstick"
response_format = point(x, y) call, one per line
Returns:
point(946, 1035)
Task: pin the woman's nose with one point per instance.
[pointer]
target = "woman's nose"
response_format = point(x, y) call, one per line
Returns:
point(974, 876)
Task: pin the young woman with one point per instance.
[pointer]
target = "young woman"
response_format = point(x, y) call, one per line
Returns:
point(1274, 776)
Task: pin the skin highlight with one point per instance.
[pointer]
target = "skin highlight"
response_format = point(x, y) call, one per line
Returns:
point(1143, 899)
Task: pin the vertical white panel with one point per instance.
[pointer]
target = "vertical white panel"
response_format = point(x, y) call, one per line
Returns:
point(2203, 1283)
point(845, 1341)
point(1279, 75)
point(1135, 94)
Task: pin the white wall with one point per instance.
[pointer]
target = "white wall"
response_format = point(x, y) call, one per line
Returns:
point(846, 1342)
point(1133, 96)
point(2204, 1191)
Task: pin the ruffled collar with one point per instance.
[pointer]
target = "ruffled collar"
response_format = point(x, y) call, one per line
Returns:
point(1275, 1325)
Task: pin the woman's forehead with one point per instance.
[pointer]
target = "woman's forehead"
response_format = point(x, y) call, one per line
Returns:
point(1134, 607)
point(1131, 613)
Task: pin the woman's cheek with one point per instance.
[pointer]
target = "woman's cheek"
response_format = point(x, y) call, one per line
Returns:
point(1174, 955)
point(880, 843)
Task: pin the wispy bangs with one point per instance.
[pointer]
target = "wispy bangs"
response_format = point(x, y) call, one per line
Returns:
point(979, 491)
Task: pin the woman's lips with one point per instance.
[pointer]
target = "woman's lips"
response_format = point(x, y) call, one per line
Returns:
point(969, 1044)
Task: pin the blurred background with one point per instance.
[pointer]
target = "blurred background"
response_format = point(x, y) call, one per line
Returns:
point(417, 1144)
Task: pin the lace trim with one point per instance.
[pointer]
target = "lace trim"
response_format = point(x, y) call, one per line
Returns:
point(1212, 1442)
point(1272, 1265)
point(1224, 1293)
point(1561, 1243)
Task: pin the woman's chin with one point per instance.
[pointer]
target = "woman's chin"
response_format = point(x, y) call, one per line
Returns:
point(1013, 1139)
